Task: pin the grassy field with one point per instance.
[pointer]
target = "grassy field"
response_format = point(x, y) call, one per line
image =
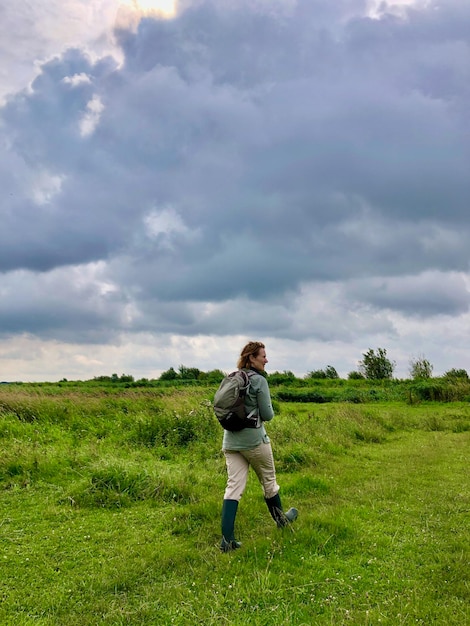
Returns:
point(110, 505)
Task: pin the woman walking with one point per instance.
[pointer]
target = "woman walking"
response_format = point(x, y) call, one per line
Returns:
point(251, 447)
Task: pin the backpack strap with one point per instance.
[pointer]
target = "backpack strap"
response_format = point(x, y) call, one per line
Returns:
point(249, 374)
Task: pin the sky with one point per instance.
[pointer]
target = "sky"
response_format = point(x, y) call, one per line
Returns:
point(179, 178)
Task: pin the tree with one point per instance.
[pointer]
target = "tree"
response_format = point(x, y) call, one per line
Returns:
point(330, 372)
point(376, 365)
point(420, 368)
point(188, 373)
point(169, 374)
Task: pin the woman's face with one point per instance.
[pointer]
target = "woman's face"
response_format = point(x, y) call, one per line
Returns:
point(260, 360)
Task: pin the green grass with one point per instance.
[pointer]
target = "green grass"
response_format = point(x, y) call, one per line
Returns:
point(110, 505)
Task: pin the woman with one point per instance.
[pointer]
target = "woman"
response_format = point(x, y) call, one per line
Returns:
point(251, 446)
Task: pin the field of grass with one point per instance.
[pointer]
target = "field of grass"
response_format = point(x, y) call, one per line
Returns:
point(110, 513)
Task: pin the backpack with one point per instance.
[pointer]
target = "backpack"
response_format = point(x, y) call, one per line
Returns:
point(229, 402)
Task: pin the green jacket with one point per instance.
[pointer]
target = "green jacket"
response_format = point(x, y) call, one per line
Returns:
point(258, 397)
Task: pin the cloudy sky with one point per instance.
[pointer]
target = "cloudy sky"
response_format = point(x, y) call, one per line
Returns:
point(178, 179)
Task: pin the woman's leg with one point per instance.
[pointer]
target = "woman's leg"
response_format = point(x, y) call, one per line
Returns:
point(262, 460)
point(277, 513)
point(237, 474)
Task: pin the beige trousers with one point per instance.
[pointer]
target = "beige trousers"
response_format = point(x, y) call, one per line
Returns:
point(238, 463)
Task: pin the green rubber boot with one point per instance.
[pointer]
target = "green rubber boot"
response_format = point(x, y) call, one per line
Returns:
point(229, 512)
point(275, 508)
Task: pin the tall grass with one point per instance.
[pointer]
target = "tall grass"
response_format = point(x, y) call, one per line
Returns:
point(110, 504)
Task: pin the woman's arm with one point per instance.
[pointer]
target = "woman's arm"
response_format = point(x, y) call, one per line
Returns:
point(263, 398)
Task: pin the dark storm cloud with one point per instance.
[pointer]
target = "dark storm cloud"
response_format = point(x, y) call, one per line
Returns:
point(243, 151)
point(63, 305)
point(430, 294)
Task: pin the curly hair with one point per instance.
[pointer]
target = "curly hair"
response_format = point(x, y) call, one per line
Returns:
point(251, 349)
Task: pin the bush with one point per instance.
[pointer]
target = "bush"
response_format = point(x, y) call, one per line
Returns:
point(329, 372)
point(213, 377)
point(429, 390)
point(316, 374)
point(303, 396)
point(282, 378)
point(454, 374)
point(356, 376)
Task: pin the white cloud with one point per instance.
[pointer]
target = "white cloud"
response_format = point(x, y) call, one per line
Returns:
point(77, 79)
point(379, 8)
point(91, 117)
point(45, 187)
point(166, 222)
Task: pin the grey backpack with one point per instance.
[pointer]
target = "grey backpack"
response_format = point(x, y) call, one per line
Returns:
point(229, 402)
